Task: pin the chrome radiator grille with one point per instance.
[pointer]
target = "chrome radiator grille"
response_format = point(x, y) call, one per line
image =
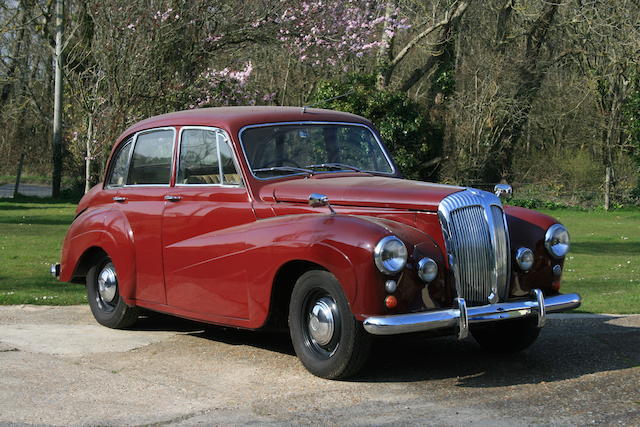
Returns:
point(477, 243)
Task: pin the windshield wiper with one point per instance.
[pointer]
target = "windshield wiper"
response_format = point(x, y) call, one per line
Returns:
point(334, 166)
point(284, 169)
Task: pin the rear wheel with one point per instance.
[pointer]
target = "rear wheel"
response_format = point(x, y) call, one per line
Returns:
point(507, 337)
point(328, 340)
point(107, 306)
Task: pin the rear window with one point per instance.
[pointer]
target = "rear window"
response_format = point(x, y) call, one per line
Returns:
point(152, 156)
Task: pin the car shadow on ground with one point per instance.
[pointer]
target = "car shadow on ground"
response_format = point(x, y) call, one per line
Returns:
point(566, 348)
point(267, 340)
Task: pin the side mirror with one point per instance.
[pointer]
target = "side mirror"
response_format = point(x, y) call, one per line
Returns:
point(504, 191)
point(317, 200)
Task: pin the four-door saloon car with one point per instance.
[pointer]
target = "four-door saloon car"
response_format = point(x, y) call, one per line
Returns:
point(255, 217)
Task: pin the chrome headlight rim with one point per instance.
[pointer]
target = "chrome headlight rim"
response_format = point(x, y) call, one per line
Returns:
point(521, 255)
point(423, 266)
point(384, 265)
point(556, 248)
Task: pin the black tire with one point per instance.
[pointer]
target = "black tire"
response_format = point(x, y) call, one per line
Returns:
point(108, 307)
point(332, 352)
point(505, 337)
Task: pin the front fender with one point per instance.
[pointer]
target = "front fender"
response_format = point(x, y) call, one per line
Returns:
point(106, 229)
point(527, 228)
point(343, 245)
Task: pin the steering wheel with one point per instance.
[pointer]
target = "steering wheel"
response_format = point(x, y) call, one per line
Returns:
point(282, 162)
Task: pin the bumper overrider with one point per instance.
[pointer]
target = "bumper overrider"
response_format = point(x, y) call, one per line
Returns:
point(463, 316)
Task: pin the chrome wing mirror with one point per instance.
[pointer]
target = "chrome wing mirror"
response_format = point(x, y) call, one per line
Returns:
point(504, 191)
point(316, 200)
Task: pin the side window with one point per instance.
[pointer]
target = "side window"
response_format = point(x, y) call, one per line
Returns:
point(206, 158)
point(118, 175)
point(151, 160)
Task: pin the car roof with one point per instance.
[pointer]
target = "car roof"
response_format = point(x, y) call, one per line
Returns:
point(235, 118)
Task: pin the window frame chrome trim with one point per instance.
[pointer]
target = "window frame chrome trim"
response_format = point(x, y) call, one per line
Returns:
point(233, 157)
point(387, 157)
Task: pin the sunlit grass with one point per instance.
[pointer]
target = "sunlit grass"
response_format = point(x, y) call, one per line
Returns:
point(31, 234)
point(603, 265)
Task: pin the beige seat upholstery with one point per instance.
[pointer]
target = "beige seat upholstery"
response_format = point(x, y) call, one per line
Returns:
point(203, 179)
point(232, 178)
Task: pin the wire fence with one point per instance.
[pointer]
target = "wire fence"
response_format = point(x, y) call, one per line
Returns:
point(538, 194)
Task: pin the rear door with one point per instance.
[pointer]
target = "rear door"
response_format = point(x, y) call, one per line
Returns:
point(142, 201)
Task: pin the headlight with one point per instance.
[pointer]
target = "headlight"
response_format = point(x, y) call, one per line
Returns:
point(557, 240)
point(427, 269)
point(390, 255)
point(524, 258)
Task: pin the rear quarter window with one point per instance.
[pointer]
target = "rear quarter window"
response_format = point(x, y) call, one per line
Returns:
point(118, 174)
point(151, 159)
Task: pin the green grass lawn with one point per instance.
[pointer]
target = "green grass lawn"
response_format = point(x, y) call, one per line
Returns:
point(604, 262)
point(603, 265)
point(31, 233)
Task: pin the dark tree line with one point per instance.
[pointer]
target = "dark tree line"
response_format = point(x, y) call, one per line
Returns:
point(543, 94)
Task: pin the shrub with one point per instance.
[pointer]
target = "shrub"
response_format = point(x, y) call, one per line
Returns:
point(402, 124)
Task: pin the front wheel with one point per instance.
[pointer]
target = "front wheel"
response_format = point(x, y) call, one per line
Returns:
point(107, 306)
point(510, 336)
point(328, 340)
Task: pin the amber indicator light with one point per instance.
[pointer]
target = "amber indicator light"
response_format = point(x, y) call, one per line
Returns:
point(391, 301)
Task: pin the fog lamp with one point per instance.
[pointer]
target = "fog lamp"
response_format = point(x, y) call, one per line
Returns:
point(427, 269)
point(524, 258)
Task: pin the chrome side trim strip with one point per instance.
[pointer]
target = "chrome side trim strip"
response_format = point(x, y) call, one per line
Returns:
point(454, 317)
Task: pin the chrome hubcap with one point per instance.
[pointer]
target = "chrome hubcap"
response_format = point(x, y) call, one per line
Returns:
point(107, 283)
point(321, 321)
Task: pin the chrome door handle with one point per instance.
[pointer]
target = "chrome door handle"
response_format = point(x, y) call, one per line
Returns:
point(173, 198)
point(119, 199)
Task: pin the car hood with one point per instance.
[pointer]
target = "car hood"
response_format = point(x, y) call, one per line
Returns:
point(358, 190)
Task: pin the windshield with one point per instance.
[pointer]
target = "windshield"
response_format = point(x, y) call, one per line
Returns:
point(287, 149)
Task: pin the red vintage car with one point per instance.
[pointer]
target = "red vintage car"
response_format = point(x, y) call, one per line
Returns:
point(254, 217)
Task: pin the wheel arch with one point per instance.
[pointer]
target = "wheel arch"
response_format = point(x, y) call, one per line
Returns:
point(283, 283)
point(88, 259)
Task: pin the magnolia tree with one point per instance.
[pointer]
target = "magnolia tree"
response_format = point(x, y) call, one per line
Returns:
point(330, 32)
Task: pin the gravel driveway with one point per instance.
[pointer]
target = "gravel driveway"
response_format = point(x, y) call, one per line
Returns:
point(57, 366)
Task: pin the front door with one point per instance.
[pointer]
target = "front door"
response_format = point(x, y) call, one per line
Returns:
point(204, 242)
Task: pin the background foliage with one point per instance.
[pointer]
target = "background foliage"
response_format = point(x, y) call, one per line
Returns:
point(543, 94)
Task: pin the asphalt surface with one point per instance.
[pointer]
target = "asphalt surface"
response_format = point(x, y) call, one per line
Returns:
point(57, 366)
point(6, 190)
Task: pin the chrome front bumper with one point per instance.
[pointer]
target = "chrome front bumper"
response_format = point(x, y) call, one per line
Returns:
point(464, 316)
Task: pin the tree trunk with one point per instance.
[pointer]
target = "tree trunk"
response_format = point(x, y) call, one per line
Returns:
point(16, 189)
point(617, 91)
point(16, 54)
point(447, 30)
point(607, 189)
point(385, 53)
point(87, 159)
point(530, 75)
point(57, 104)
